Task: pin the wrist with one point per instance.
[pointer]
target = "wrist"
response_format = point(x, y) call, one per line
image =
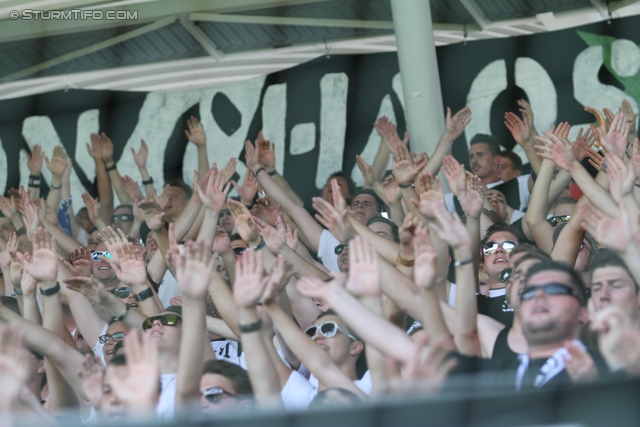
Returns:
point(462, 252)
point(108, 161)
point(56, 180)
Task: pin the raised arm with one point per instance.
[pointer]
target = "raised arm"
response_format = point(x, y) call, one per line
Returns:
point(195, 134)
point(141, 161)
point(455, 125)
point(105, 192)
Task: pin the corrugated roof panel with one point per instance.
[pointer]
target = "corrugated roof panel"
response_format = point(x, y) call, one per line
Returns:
point(449, 12)
point(374, 10)
point(508, 9)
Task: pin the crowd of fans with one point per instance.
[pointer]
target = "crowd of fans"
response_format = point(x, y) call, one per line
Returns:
point(194, 302)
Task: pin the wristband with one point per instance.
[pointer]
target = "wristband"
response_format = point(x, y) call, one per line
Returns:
point(273, 172)
point(148, 182)
point(141, 296)
point(50, 291)
point(252, 327)
point(410, 185)
point(111, 168)
point(122, 316)
point(16, 292)
point(626, 152)
point(36, 177)
point(260, 169)
point(260, 245)
point(53, 187)
point(459, 263)
point(403, 261)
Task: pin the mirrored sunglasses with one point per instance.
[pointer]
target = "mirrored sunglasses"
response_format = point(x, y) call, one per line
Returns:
point(116, 336)
point(551, 289)
point(340, 248)
point(554, 220)
point(95, 255)
point(490, 248)
point(215, 394)
point(165, 319)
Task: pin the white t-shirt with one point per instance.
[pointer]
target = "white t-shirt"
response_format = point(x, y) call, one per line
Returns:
point(326, 250)
point(83, 237)
point(523, 188)
point(98, 348)
point(167, 402)
point(168, 289)
point(298, 392)
point(226, 350)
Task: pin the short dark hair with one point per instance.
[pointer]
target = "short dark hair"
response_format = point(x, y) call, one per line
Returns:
point(124, 206)
point(551, 265)
point(188, 191)
point(516, 161)
point(234, 237)
point(351, 185)
point(394, 227)
point(323, 399)
point(608, 258)
point(379, 203)
point(491, 141)
point(529, 250)
point(237, 376)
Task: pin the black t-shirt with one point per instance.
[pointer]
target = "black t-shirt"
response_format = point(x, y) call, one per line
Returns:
point(497, 308)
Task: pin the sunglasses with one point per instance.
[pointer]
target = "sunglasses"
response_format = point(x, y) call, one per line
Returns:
point(224, 212)
point(116, 336)
point(327, 330)
point(165, 319)
point(340, 248)
point(95, 255)
point(554, 220)
point(505, 274)
point(490, 248)
point(238, 251)
point(121, 218)
point(215, 394)
point(122, 292)
point(550, 289)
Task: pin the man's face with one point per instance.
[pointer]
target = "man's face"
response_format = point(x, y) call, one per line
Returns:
point(151, 246)
point(506, 172)
point(382, 229)
point(364, 207)
point(177, 203)
point(224, 401)
point(494, 263)
point(612, 286)
point(168, 337)
point(107, 349)
point(102, 269)
point(339, 347)
point(327, 191)
point(481, 160)
point(225, 219)
point(495, 201)
point(551, 319)
point(516, 282)
point(6, 228)
point(343, 260)
point(122, 219)
point(111, 407)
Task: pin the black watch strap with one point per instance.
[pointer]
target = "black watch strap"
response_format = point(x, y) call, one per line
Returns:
point(141, 296)
point(50, 291)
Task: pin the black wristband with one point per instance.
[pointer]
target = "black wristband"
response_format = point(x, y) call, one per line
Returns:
point(260, 169)
point(53, 187)
point(252, 327)
point(122, 316)
point(405, 185)
point(459, 263)
point(148, 182)
point(50, 291)
point(273, 172)
point(111, 168)
point(141, 296)
point(261, 244)
point(36, 177)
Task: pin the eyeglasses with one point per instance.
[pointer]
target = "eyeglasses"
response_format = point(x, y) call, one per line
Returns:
point(490, 248)
point(95, 255)
point(215, 394)
point(116, 336)
point(224, 212)
point(551, 289)
point(327, 330)
point(340, 248)
point(165, 319)
point(121, 218)
point(554, 220)
point(122, 292)
point(238, 251)
point(505, 274)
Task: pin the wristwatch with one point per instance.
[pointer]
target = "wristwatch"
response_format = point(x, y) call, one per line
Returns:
point(141, 296)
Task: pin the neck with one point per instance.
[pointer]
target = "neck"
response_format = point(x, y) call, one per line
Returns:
point(544, 351)
point(168, 363)
point(495, 283)
point(490, 179)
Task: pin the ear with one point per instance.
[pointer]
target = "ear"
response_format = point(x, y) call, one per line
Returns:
point(356, 348)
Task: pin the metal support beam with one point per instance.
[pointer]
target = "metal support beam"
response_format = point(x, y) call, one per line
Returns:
point(601, 7)
point(283, 20)
point(89, 49)
point(477, 13)
point(204, 40)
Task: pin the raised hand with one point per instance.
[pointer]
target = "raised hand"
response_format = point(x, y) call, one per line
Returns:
point(15, 271)
point(90, 374)
point(430, 193)
point(557, 150)
point(244, 221)
point(579, 364)
point(455, 125)
point(87, 286)
point(269, 210)
point(291, 236)
point(629, 114)
point(266, 152)
point(194, 266)
point(130, 186)
point(615, 141)
point(141, 156)
point(153, 213)
point(596, 159)
point(58, 161)
point(621, 177)
point(407, 230)
point(366, 171)
point(8, 206)
point(195, 132)
point(429, 366)
point(339, 202)
point(562, 131)
point(229, 169)
point(613, 233)
point(115, 241)
point(163, 199)
point(34, 160)
point(44, 264)
point(248, 285)
point(450, 229)
point(582, 143)
point(453, 171)
point(425, 266)
point(389, 134)
point(10, 248)
point(519, 129)
point(129, 267)
point(277, 279)
point(215, 195)
point(312, 287)
point(364, 268)
point(251, 156)
point(333, 220)
point(471, 196)
point(602, 121)
point(392, 192)
point(95, 149)
point(247, 191)
point(92, 206)
point(107, 147)
point(406, 166)
point(80, 264)
point(274, 238)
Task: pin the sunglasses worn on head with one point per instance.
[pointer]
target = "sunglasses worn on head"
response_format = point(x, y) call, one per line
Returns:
point(550, 289)
point(340, 248)
point(554, 220)
point(215, 394)
point(95, 255)
point(121, 218)
point(116, 336)
point(327, 330)
point(491, 247)
point(224, 212)
point(166, 319)
point(122, 292)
